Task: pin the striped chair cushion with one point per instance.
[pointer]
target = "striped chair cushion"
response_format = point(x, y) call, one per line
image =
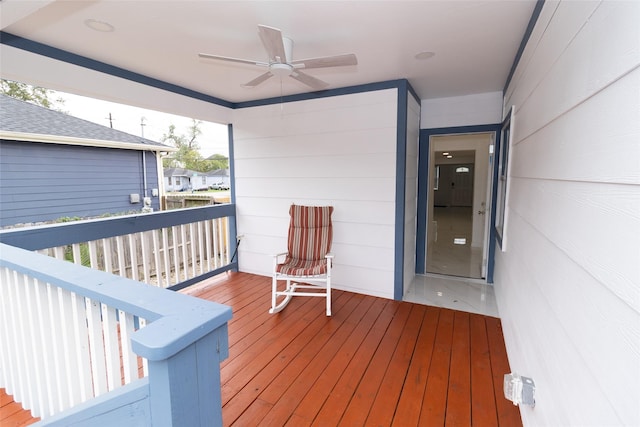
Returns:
point(309, 240)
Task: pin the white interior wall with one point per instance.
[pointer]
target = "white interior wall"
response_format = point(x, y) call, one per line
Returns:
point(568, 285)
point(337, 151)
point(411, 191)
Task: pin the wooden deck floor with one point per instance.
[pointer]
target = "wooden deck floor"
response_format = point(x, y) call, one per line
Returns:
point(374, 362)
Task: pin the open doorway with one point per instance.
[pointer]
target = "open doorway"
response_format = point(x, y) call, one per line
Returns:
point(457, 200)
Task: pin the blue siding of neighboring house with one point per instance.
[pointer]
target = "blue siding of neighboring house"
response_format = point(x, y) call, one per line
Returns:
point(43, 182)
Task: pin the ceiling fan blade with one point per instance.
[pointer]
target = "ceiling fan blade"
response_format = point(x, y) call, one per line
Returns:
point(272, 41)
point(309, 80)
point(255, 82)
point(229, 59)
point(327, 61)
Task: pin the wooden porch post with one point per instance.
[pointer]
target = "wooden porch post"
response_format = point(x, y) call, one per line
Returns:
point(184, 390)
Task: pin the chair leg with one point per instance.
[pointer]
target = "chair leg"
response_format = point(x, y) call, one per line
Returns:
point(276, 308)
point(328, 298)
point(274, 288)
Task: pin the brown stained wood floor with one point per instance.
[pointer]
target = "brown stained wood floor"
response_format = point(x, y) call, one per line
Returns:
point(375, 362)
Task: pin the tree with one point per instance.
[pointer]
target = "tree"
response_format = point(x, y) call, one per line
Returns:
point(218, 161)
point(188, 155)
point(33, 94)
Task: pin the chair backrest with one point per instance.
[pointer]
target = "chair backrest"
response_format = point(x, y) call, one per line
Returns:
point(310, 232)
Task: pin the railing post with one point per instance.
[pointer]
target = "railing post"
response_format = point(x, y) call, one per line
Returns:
point(184, 390)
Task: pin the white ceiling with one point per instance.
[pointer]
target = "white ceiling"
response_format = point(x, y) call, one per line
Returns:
point(474, 42)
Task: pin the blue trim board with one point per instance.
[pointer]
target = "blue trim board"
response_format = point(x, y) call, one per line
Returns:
point(523, 43)
point(82, 61)
point(349, 90)
point(423, 182)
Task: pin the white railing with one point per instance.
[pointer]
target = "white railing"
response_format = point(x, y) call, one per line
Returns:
point(60, 348)
point(164, 257)
point(167, 249)
point(70, 334)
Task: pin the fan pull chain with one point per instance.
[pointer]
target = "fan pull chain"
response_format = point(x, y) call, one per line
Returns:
point(281, 98)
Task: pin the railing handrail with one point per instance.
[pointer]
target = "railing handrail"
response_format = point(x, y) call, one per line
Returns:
point(60, 234)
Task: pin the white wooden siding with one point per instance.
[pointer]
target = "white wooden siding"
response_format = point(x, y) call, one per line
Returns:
point(336, 151)
point(568, 286)
point(468, 110)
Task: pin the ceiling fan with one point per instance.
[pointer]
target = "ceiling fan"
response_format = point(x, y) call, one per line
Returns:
point(281, 61)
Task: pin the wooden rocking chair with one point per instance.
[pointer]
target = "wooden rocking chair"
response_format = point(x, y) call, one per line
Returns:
point(307, 263)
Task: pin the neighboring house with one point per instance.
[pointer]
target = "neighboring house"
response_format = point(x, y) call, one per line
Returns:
point(53, 165)
point(177, 179)
point(180, 179)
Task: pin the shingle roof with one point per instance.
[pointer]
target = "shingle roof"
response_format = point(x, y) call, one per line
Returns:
point(178, 172)
point(23, 117)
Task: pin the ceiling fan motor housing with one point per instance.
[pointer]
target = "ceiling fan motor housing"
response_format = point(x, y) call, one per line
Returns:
point(280, 69)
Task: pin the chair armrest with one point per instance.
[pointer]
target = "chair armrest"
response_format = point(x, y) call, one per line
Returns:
point(278, 255)
point(329, 255)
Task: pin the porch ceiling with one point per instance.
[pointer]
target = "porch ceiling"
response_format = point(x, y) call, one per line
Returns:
point(474, 43)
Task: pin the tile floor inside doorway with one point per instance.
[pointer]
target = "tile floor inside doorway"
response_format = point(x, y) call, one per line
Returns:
point(470, 295)
point(449, 250)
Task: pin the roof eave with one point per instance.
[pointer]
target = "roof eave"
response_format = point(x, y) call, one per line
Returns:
point(69, 140)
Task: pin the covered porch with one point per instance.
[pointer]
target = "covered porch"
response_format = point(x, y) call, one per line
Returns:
point(374, 362)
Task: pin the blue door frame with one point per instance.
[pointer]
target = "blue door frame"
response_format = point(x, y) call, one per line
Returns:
point(423, 182)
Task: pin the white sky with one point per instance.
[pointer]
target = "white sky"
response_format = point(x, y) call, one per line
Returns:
point(212, 140)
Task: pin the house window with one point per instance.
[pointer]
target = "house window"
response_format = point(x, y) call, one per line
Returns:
point(204, 180)
point(177, 180)
point(503, 181)
point(462, 169)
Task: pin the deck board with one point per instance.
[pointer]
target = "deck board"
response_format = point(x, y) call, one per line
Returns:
point(374, 362)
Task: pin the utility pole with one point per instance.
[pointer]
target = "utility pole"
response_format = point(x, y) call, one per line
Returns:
point(142, 125)
point(110, 121)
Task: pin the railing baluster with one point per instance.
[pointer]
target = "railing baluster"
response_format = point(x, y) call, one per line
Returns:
point(192, 241)
point(44, 337)
point(129, 359)
point(122, 267)
point(77, 253)
point(112, 350)
point(81, 345)
point(156, 256)
point(96, 346)
point(15, 374)
point(36, 395)
point(214, 232)
point(145, 363)
point(165, 247)
point(106, 247)
point(133, 258)
point(93, 254)
point(5, 321)
point(144, 249)
point(57, 346)
point(176, 254)
point(185, 256)
point(64, 306)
